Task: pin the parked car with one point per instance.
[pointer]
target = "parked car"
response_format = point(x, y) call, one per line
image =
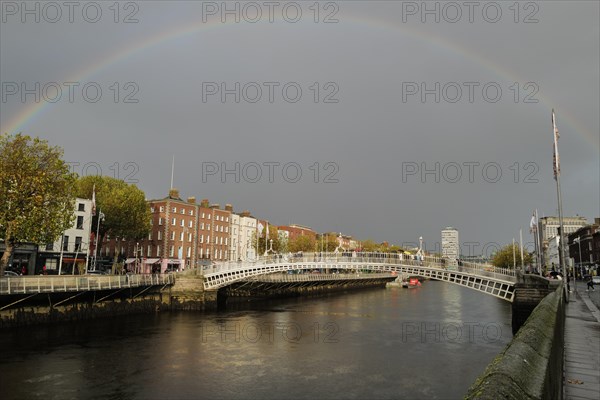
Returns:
point(10, 273)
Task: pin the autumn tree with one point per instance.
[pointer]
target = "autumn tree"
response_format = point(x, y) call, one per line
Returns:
point(37, 193)
point(124, 207)
point(302, 243)
point(327, 242)
point(504, 257)
point(279, 245)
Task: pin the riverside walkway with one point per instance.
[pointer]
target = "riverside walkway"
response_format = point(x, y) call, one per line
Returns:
point(582, 346)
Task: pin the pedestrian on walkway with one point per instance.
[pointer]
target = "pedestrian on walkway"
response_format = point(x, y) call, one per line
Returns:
point(590, 284)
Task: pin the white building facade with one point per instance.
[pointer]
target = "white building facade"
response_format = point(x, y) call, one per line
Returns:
point(74, 243)
point(450, 245)
point(242, 231)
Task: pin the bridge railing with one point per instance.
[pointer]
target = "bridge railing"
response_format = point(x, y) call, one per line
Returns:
point(324, 260)
point(76, 283)
point(310, 277)
point(485, 268)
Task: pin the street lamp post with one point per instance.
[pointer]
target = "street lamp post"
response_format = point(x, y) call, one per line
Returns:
point(578, 239)
point(100, 217)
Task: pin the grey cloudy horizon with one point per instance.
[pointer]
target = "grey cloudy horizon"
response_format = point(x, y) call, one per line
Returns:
point(368, 134)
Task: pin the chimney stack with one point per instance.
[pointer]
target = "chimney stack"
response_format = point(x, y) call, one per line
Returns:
point(191, 200)
point(228, 207)
point(174, 193)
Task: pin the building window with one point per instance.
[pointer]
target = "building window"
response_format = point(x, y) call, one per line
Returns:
point(150, 236)
point(181, 237)
point(173, 235)
point(201, 252)
point(189, 252)
point(80, 207)
point(159, 235)
point(207, 238)
point(151, 209)
point(183, 211)
point(208, 227)
point(192, 212)
point(189, 237)
point(174, 209)
point(226, 229)
point(190, 224)
point(171, 251)
point(182, 222)
point(79, 222)
point(65, 243)
point(149, 251)
point(201, 239)
point(226, 219)
point(162, 209)
point(78, 243)
point(160, 221)
point(225, 241)
point(50, 247)
point(157, 251)
point(202, 215)
point(208, 216)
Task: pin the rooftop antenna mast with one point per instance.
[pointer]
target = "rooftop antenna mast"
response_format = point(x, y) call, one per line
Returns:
point(172, 170)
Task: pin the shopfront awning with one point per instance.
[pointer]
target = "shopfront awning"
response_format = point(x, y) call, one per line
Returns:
point(151, 260)
point(65, 259)
point(130, 260)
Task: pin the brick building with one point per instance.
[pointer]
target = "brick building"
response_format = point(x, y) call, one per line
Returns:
point(295, 230)
point(586, 239)
point(183, 234)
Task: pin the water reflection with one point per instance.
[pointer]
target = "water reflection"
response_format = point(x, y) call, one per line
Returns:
point(381, 343)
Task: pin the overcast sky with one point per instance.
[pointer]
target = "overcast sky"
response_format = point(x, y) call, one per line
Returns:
point(364, 127)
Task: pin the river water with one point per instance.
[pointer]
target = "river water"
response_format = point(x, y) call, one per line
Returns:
point(429, 342)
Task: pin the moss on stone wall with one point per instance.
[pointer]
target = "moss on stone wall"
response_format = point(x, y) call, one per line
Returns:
point(530, 367)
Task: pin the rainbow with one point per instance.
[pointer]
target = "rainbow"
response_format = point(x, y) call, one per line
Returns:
point(35, 110)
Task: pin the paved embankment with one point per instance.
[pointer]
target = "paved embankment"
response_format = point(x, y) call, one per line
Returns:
point(582, 345)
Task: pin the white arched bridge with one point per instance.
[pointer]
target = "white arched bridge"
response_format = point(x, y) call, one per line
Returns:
point(485, 278)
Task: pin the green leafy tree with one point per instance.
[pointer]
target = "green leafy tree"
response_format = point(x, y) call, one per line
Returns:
point(278, 244)
point(302, 243)
point(126, 212)
point(504, 257)
point(37, 193)
point(327, 242)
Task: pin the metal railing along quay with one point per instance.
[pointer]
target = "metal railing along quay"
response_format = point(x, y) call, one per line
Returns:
point(76, 283)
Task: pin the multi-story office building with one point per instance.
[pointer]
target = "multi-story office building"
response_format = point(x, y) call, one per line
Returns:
point(450, 245)
point(548, 229)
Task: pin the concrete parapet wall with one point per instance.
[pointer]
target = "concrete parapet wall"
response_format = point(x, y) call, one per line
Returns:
point(531, 366)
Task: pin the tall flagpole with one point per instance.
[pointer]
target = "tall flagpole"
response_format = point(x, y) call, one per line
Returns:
point(514, 257)
point(521, 246)
point(172, 170)
point(540, 256)
point(561, 251)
